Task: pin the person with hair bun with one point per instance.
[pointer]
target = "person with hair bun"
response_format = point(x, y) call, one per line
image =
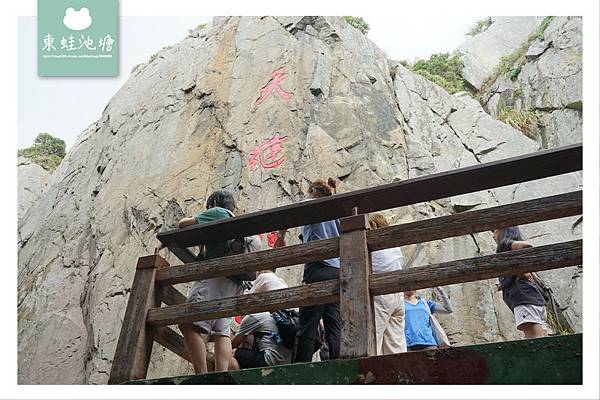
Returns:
point(323, 270)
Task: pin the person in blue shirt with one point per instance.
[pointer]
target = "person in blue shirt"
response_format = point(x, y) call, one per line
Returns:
point(417, 321)
point(310, 316)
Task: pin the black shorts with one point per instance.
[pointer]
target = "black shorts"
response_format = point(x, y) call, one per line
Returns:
point(249, 358)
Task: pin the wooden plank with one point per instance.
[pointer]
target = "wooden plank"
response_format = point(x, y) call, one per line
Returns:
point(173, 341)
point(532, 259)
point(232, 265)
point(524, 212)
point(183, 254)
point(536, 259)
point(305, 295)
point(171, 296)
point(356, 314)
point(134, 347)
point(513, 170)
point(559, 206)
point(151, 261)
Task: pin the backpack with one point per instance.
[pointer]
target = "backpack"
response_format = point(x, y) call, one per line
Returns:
point(243, 245)
point(543, 288)
point(561, 321)
point(287, 322)
point(240, 246)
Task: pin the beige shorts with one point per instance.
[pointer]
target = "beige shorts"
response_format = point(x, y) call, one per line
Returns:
point(211, 289)
point(529, 313)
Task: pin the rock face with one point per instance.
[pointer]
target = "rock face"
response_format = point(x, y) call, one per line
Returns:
point(549, 85)
point(258, 106)
point(482, 53)
point(31, 181)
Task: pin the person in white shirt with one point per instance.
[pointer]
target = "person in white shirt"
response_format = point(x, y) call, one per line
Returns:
point(264, 282)
point(267, 280)
point(388, 308)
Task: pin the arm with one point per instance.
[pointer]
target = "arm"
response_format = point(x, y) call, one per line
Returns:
point(446, 306)
point(187, 222)
point(247, 327)
point(280, 242)
point(237, 340)
point(258, 285)
point(518, 245)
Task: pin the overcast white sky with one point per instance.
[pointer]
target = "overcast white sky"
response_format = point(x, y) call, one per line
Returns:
point(64, 106)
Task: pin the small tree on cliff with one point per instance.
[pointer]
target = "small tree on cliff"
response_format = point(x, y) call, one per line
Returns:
point(47, 151)
point(359, 23)
point(443, 69)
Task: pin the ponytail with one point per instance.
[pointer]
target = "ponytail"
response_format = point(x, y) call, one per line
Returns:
point(322, 188)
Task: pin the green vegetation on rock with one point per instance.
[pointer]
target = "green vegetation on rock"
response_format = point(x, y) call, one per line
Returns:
point(512, 63)
point(522, 120)
point(359, 23)
point(479, 26)
point(47, 151)
point(442, 69)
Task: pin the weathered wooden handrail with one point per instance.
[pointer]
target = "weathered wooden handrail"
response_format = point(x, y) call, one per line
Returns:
point(470, 179)
point(524, 212)
point(532, 259)
point(145, 321)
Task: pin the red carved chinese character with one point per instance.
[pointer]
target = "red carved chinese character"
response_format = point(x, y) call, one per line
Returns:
point(276, 78)
point(273, 158)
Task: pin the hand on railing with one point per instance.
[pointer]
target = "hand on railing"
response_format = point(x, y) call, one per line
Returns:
point(159, 248)
point(280, 242)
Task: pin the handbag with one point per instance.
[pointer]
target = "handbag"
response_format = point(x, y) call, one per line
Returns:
point(438, 332)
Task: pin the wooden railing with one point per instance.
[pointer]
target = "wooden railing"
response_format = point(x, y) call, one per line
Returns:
point(146, 321)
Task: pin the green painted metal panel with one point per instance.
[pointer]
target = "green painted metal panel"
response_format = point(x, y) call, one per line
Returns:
point(551, 360)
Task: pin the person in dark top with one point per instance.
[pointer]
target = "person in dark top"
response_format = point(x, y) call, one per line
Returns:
point(323, 270)
point(520, 292)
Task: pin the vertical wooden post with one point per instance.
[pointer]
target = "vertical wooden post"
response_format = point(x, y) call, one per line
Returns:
point(134, 347)
point(358, 325)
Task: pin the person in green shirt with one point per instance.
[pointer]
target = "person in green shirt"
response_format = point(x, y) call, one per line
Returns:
point(219, 205)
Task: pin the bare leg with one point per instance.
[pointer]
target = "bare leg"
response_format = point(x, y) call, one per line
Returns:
point(222, 353)
point(196, 347)
point(533, 330)
point(233, 364)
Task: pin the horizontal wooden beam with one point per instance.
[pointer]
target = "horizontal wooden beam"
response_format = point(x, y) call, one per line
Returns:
point(306, 295)
point(520, 213)
point(532, 259)
point(509, 171)
point(171, 340)
point(184, 254)
point(232, 265)
point(171, 296)
point(514, 262)
point(525, 212)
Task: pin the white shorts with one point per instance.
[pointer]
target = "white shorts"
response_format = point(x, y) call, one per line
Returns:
point(530, 313)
